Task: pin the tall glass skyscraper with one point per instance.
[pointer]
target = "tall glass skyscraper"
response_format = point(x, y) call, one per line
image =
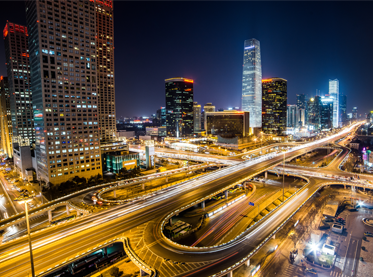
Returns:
point(334, 92)
point(179, 107)
point(274, 105)
point(252, 82)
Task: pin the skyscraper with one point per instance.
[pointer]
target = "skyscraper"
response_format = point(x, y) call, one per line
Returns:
point(302, 109)
point(5, 117)
point(179, 107)
point(274, 106)
point(334, 92)
point(18, 70)
point(197, 117)
point(354, 112)
point(62, 48)
point(105, 68)
point(292, 116)
point(208, 108)
point(326, 115)
point(252, 82)
point(342, 109)
point(314, 113)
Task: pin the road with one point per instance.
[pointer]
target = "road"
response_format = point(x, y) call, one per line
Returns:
point(57, 244)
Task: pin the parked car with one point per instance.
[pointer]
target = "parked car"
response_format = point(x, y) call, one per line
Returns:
point(368, 234)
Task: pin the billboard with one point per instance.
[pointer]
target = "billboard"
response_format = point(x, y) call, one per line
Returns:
point(129, 164)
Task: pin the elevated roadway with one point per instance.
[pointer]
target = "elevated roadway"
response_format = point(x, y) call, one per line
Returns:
point(57, 244)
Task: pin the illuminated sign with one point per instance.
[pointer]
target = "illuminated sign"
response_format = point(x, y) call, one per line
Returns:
point(249, 47)
point(267, 80)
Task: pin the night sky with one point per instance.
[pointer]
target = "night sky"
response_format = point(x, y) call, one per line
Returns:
point(306, 43)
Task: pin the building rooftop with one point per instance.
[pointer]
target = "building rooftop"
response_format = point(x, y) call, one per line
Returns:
point(179, 79)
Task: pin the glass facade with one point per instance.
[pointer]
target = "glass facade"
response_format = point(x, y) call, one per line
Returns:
point(179, 107)
point(18, 70)
point(62, 48)
point(197, 117)
point(113, 162)
point(5, 117)
point(228, 124)
point(292, 116)
point(314, 113)
point(252, 82)
point(274, 106)
point(342, 108)
point(334, 92)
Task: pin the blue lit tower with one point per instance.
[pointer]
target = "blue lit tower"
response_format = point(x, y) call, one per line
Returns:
point(252, 82)
point(334, 92)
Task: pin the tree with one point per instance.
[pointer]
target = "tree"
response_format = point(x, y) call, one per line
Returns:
point(114, 271)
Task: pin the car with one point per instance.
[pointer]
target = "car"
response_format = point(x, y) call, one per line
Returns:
point(368, 234)
point(311, 271)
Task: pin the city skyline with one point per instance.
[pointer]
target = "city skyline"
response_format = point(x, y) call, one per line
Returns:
point(320, 62)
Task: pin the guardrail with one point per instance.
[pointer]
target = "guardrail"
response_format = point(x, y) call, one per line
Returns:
point(62, 198)
point(138, 197)
point(85, 212)
point(127, 249)
point(323, 147)
point(252, 253)
point(214, 247)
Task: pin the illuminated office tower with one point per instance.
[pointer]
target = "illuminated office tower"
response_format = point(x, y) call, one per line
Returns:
point(179, 107)
point(252, 82)
point(18, 70)
point(274, 104)
point(208, 108)
point(5, 118)
point(197, 117)
point(105, 69)
point(334, 92)
point(62, 48)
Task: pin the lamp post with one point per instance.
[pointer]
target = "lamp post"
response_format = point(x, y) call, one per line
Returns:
point(25, 200)
point(283, 179)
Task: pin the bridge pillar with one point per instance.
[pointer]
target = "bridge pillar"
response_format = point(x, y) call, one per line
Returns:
point(364, 188)
point(274, 236)
point(203, 205)
point(266, 175)
point(345, 186)
point(170, 221)
point(142, 273)
point(166, 179)
point(115, 193)
point(67, 210)
point(226, 194)
point(143, 186)
point(248, 262)
point(230, 274)
point(50, 215)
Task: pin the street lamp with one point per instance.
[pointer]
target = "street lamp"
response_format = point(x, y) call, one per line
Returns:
point(25, 200)
point(283, 179)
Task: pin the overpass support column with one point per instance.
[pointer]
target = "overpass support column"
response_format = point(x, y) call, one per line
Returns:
point(170, 221)
point(142, 273)
point(166, 179)
point(230, 274)
point(143, 186)
point(345, 186)
point(115, 193)
point(364, 188)
point(226, 194)
point(266, 175)
point(50, 215)
point(67, 210)
point(248, 262)
point(203, 205)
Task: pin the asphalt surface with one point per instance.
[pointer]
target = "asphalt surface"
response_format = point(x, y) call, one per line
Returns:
point(56, 244)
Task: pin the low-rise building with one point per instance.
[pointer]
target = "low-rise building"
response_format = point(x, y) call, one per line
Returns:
point(116, 155)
